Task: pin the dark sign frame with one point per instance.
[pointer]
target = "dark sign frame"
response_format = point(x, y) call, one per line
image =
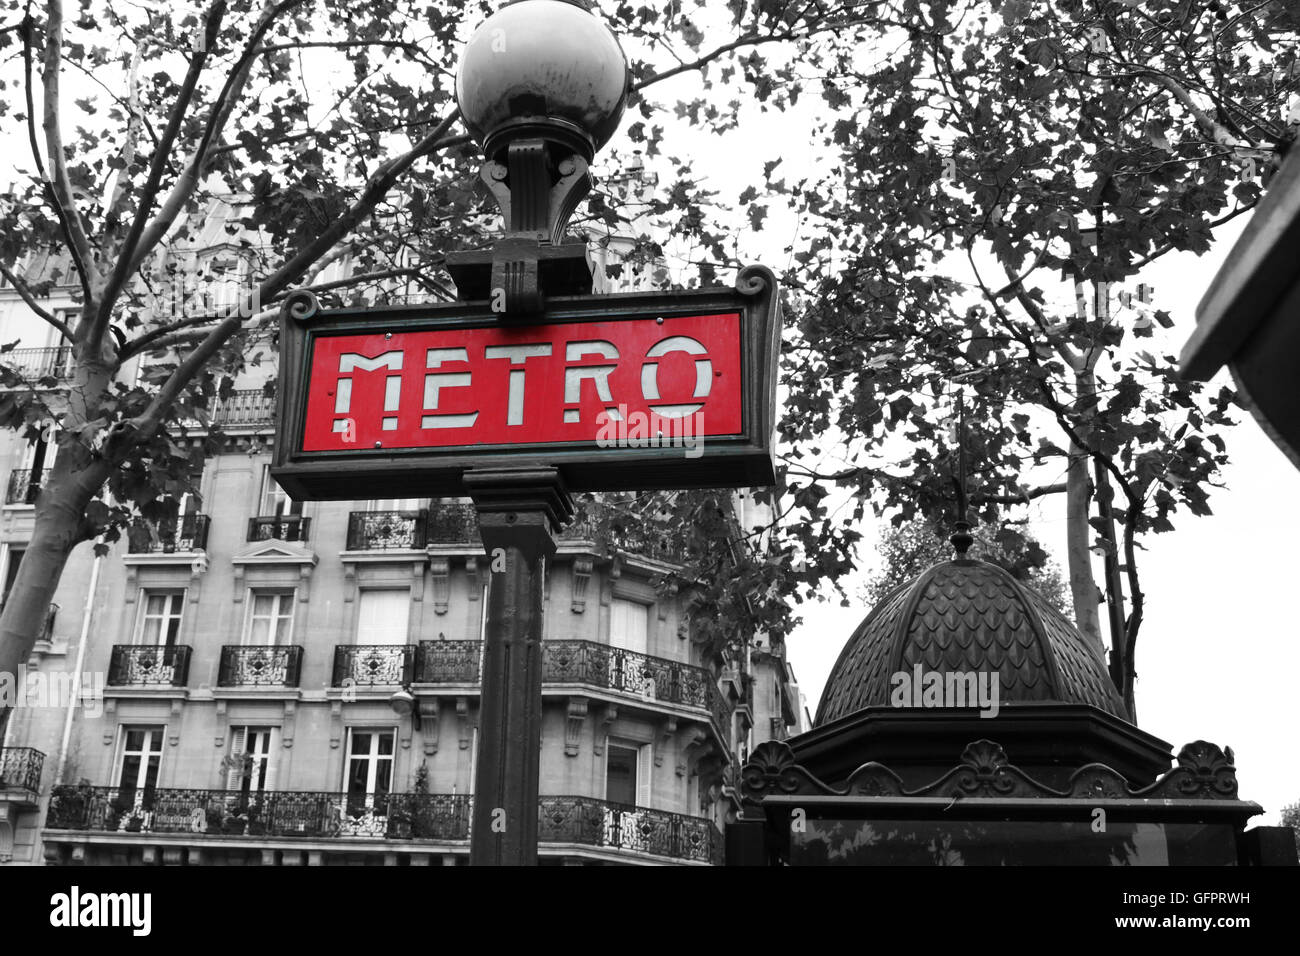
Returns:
point(742, 460)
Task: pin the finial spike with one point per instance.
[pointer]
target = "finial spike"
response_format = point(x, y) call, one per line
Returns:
point(961, 538)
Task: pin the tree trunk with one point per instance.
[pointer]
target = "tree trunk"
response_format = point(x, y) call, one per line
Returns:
point(1078, 534)
point(72, 482)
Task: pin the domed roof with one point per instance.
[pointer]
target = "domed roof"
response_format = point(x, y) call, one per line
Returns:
point(969, 616)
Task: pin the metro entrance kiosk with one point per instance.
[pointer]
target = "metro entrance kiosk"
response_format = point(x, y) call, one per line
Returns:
point(510, 395)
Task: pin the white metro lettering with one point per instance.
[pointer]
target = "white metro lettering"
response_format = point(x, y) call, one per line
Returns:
point(518, 355)
point(650, 375)
point(350, 362)
point(439, 380)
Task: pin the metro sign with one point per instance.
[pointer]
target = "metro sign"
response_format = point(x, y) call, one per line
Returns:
point(637, 390)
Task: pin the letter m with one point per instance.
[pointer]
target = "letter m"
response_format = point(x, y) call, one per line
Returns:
point(350, 362)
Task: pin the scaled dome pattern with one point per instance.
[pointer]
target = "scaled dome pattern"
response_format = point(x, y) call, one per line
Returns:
point(967, 615)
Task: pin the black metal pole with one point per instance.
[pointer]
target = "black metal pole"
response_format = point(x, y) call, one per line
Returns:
point(519, 511)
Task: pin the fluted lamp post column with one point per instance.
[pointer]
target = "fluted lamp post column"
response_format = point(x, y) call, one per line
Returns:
point(542, 85)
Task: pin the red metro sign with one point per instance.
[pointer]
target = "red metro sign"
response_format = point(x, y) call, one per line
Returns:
point(621, 391)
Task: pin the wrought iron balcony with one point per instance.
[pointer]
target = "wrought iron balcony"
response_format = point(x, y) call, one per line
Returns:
point(386, 530)
point(286, 813)
point(373, 665)
point(602, 665)
point(148, 665)
point(453, 524)
point(20, 769)
point(448, 662)
point(21, 489)
point(284, 527)
point(248, 406)
point(245, 665)
point(188, 533)
point(563, 662)
point(458, 524)
point(597, 823)
point(37, 364)
point(316, 815)
point(644, 539)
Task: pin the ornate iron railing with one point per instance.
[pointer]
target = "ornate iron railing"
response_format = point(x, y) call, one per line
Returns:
point(584, 821)
point(284, 527)
point(149, 665)
point(21, 490)
point(35, 364)
point(655, 678)
point(20, 768)
point(372, 665)
point(448, 662)
point(386, 530)
point(458, 524)
point(597, 823)
point(287, 813)
point(452, 524)
point(260, 666)
point(188, 533)
point(249, 406)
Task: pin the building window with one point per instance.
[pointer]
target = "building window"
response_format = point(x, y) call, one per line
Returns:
point(139, 758)
point(369, 767)
point(275, 500)
point(270, 618)
point(160, 617)
point(627, 774)
point(629, 625)
point(382, 616)
point(249, 767)
point(13, 557)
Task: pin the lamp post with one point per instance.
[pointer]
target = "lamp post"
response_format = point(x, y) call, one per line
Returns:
point(542, 85)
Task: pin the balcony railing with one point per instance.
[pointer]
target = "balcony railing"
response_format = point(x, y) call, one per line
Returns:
point(602, 665)
point(458, 524)
point(386, 530)
point(563, 662)
point(584, 821)
point(249, 406)
point(260, 666)
point(373, 665)
point(615, 826)
point(284, 527)
point(20, 768)
point(147, 665)
point(448, 662)
point(287, 813)
point(21, 489)
point(453, 524)
point(36, 364)
point(189, 533)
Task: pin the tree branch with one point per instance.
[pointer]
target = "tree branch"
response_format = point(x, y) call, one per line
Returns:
point(98, 321)
point(26, 293)
point(73, 236)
